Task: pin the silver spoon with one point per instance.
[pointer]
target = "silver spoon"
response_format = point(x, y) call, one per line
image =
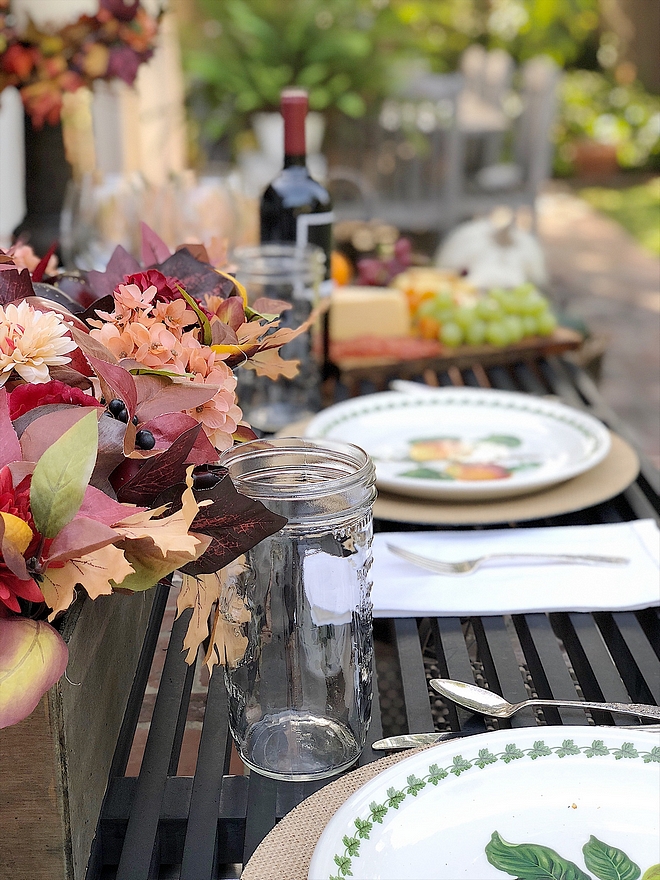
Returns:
point(481, 700)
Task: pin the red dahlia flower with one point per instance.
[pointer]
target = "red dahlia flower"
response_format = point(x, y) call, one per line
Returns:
point(27, 397)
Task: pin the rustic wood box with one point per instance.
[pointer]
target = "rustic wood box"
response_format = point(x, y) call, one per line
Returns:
point(54, 765)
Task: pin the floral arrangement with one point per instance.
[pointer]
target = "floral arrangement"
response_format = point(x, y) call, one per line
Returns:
point(111, 418)
point(44, 65)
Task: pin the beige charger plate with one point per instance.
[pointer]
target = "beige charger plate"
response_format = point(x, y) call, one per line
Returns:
point(606, 480)
point(286, 852)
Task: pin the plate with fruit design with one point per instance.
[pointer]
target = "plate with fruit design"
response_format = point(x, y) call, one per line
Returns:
point(466, 443)
point(570, 803)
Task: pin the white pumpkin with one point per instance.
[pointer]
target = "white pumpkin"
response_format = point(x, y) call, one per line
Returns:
point(492, 255)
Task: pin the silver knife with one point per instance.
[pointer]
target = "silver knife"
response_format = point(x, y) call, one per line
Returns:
point(415, 740)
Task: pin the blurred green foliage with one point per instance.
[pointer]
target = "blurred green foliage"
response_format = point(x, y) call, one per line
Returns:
point(442, 29)
point(247, 51)
point(593, 105)
point(637, 208)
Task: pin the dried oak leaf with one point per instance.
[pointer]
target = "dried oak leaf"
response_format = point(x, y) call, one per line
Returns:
point(234, 522)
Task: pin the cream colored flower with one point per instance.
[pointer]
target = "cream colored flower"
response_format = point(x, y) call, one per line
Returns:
point(30, 342)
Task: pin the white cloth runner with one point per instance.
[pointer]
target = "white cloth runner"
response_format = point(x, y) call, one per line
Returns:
point(401, 589)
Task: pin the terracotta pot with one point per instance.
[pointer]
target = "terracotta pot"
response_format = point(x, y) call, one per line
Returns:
point(593, 159)
point(55, 764)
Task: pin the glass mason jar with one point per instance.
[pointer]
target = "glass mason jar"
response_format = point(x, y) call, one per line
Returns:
point(293, 274)
point(300, 696)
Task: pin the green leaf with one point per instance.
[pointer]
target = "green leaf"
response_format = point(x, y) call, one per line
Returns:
point(485, 757)
point(415, 785)
point(459, 765)
point(627, 750)
point(568, 747)
point(201, 317)
point(539, 750)
point(608, 862)
point(378, 812)
point(425, 473)
point(653, 756)
point(597, 747)
point(436, 774)
point(62, 475)
point(363, 828)
point(503, 440)
point(352, 845)
point(344, 865)
point(531, 861)
point(512, 753)
point(652, 873)
point(394, 798)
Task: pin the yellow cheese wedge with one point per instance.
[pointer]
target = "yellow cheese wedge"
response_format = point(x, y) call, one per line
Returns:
point(368, 311)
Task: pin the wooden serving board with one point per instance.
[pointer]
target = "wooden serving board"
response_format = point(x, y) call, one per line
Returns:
point(381, 370)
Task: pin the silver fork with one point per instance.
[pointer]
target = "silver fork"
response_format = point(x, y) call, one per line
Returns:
point(467, 566)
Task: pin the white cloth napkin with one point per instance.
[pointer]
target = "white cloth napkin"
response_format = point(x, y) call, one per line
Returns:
point(401, 589)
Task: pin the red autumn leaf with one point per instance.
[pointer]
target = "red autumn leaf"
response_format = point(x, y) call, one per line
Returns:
point(266, 306)
point(10, 448)
point(44, 431)
point(110, 452)
point(118, 383)
point(14, 285)
point(233, 522)
point(40, 268)
point(160, 471)
point(243, 433)
point(196, 278)
point(154, 249)
point(82, 535)
point(159, 394)
point(198, 251)
point(99, 506)
point(120, 265)
point(167, 427)
point(73, 378)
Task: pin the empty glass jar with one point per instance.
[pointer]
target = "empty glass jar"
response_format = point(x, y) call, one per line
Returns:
point(293, 275)
point(300, 696)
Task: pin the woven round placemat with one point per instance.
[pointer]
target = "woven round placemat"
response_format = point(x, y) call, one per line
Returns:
point(286, 852)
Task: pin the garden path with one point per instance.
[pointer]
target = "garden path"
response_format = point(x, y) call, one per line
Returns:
point(600, 274)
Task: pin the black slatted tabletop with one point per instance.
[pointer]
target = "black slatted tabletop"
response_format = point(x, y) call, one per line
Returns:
point(162, 825)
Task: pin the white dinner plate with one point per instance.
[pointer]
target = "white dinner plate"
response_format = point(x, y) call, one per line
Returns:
point(466, 443)
point(500, 804)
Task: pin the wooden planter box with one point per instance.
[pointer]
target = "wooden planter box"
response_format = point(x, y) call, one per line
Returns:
point(54, 765)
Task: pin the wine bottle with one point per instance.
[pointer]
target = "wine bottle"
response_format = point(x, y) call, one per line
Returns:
point(295, 207)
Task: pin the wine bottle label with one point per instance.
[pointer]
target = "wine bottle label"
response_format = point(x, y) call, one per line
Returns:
point(304, 221)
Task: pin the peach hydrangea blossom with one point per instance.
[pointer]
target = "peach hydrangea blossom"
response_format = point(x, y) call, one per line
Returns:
point(220, 415)
point(31, 341)
point(157, 333)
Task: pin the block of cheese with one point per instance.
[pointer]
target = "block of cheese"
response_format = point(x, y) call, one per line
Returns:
point(368, 311)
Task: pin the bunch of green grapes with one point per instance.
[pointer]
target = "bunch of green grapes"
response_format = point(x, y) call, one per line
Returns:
point(498, 318)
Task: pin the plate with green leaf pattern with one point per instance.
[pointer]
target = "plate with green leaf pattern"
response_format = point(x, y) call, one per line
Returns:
point(466, 443)
point(541, 803)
